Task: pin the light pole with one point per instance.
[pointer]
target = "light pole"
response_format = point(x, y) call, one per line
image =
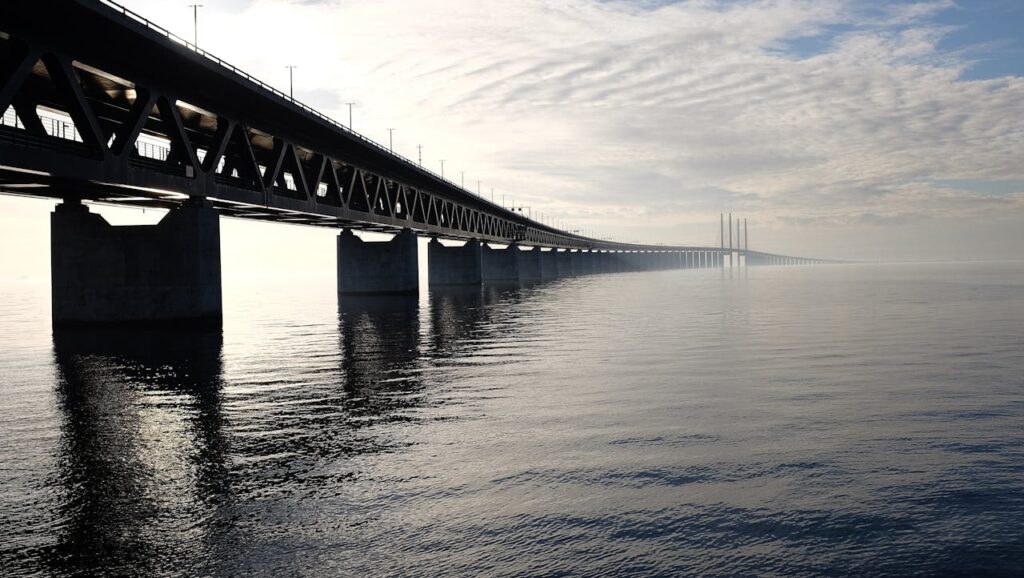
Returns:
point(442, 168)
point(419, 149)
point(350, 105)
point(463, 177)
point(291, 80)
point(478, 188)
point(391, 140)
point(195, 23)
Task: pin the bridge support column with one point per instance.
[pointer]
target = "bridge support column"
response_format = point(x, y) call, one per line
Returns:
point(612, 262)
point(548, 264)
point(454, 265)
point(382, 268)
point(637, 261)
point(586, 262)
point(500, 265)
point(576, 261)
point(564, 259)
point(168, 272)
point(528, 263)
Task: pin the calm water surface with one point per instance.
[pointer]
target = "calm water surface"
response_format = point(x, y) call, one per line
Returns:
point(789, 421)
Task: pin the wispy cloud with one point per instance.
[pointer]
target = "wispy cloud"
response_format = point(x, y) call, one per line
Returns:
point(668, 112)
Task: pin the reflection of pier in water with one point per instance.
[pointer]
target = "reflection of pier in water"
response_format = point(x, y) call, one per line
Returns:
point(162, 455)
point(142, 452)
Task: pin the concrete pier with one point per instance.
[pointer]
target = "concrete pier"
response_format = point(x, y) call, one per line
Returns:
point(548, 264)
point(381, 268)
point(528, 263)
point(564, 259)
point(168, 272)
point(576, 262)
point(454, 265)
point(586, 260)
point(500, 265)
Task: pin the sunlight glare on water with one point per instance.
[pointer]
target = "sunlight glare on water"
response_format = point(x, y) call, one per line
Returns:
point(793, 420)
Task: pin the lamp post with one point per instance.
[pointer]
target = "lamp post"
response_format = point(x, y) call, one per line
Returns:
point(391, 140)
point(350, 105)
point(419, 149)
point(291, 80)
point(442, 168)
point(195, 23)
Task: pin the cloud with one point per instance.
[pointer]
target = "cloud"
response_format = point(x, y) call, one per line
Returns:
point(591, 110)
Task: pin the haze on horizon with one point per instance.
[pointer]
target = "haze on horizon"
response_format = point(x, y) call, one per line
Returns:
point(840, 129)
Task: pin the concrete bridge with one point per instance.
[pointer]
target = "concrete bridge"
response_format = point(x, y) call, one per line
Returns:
point(102, 106)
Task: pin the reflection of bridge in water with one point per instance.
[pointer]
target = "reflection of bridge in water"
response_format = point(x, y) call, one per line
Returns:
point(143, 118)
point(156, 434)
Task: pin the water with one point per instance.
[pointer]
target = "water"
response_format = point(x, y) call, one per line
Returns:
point(788, 421)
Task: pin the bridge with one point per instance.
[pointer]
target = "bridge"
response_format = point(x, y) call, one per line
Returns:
point(101, 105)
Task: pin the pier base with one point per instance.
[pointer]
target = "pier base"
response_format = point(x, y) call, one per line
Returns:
point(168, 272)
point(378, 268)
point(454, 265)
point(564, 260)
point(529, 264)
point(500, 265)
point(548, 263)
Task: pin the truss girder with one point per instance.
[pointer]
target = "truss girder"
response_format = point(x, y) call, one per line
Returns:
point(247, 165)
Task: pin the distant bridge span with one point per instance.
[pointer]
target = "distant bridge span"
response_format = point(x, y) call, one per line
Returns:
point(102, 105)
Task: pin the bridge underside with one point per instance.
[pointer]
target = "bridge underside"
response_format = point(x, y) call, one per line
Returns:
point(170, 272)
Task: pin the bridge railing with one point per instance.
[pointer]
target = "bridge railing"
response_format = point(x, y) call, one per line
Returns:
point(55, 127)
point(64, 128)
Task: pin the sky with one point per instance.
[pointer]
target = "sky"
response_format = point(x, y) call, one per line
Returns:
point(853, 129)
